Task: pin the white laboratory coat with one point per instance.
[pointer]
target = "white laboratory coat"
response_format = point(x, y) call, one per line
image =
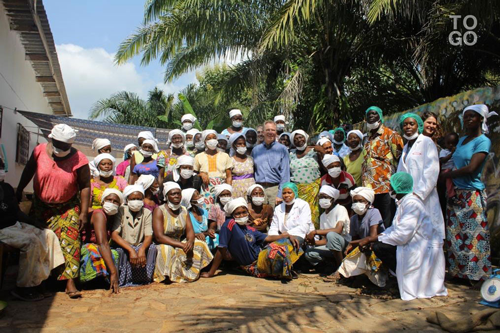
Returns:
point(422, 163)
point(298, 222)
point(420, 258)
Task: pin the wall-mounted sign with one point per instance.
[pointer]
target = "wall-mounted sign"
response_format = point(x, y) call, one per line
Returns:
point(23, 145)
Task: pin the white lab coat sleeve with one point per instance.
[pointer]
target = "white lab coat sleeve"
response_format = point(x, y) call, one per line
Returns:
point(403, 231)
point(303, 228)
point(274, 228)
point(429, 169)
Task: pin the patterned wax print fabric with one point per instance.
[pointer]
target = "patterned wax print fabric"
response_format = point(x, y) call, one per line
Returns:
point(304, 170)
point(310, 194)
point(242, 177)
point(168, 160)
point(97, 188)
point(382, 156)
point(133, 276)
point(92, 263)
point(202, 226)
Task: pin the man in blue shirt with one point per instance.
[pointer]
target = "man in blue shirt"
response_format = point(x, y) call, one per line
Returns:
point(272, 164)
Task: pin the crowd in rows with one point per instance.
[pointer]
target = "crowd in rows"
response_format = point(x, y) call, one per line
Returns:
point(347, 202)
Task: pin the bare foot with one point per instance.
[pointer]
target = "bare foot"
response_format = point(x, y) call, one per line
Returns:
point(335, 277)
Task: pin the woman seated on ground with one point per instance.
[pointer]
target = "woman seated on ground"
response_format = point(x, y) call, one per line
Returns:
point(412, 246)
point(123, 169)
point(40, 248)
point(105, 165)
point(292, 216)
point(192, 200)
point(333, 230)
point(223, 194)
point(183, 174)
point(339, 179)
point(151, 189)
point(148, 165)
point(181, 256)
point(97, 258)
point(133, 232)
point(245, 245)
point(243, 167)
point(260, 214)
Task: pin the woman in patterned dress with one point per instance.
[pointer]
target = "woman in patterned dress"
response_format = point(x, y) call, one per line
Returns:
point(180, 256)
point(242, 166)
point(105, 164)
point(168, 158)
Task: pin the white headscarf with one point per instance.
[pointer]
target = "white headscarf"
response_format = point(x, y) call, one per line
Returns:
point(145, 181)
point(234, 137)
point(188, 116)
point(323, 140)
point(279, 117)
point(181, 160)
point(231, 206)
point(153, 143)
point(331, 191)
point(294, 133)
point(129, 146)
point(175, 132)
point(109, 191)
point(205, 133)
point(235, 112)
point(365, 192)
point(253, 187)
point(193, 132)
point(221, 188)
point(63, 133)
point(222, 137)
point(146, 135)
point(168, 186)
point(329, 159)
point(187, 195)
point(100, 143)
point(103, 156)
point(131, 189)
point(483, 111)
point(357, 132)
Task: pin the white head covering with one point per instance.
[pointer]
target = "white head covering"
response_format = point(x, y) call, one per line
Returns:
point(175, 132)
point(365, 192)
point(63, 133)
point(483, 111)
point(357, 132)
point(221, 188)
point(193, 132)
point(253, 187)
point(103, 156)
point(131, 189)
point(234, 137)
point(235, 112)
point(222, 137)
point(100, 143)
point(146, 135)
point(181, 160)
point(279, 117)
point(231, 206)
point(331, 191)
point(153, 143)
point(145, 181)
point(188, 116)
point(168, 186)
point(187, 195)
point(322, 141)
point(294, 133)
point(205, 133)
point(329, 159)
point(127, 147)
point(283, 134)
point(109, 191)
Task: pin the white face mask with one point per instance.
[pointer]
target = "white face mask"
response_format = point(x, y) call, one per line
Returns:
point(250, 145)
point(373, 126)
point(105, 173)
point(280, 127)
point(199, 202)
point(174, 207)
point(187, 126)
point(409, 138)
point(224, 200)
point(334, 172)
point(359, 208)
point(241, 150)
point(302, 148)
point(186, 173)
point(220, 150)
point(393, 194)
point(290, 203)
point(241, 220)
point(237, 124)
point(212, 144)
point(135, 205)
point(338, 143)
point(357, 147)
point(2, 175)
point(110, 208)
point(199, 145)
point(325, 203)
point(177, 145)
point(258, 201)
point(60, 153)
point(145, 153)
point(155, 192)
point(190, 144)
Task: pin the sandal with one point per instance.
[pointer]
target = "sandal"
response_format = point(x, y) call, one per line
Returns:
point(27, 296)
point(74, 294)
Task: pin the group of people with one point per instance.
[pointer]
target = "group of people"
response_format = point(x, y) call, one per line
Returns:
point(259, 199)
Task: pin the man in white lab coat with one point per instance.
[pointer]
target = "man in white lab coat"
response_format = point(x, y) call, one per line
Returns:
point(420, 262)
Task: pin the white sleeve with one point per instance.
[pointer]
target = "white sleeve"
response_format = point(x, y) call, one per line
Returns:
point(303, 228)
point(430, 171)
point(274, 228)
point(403, 232)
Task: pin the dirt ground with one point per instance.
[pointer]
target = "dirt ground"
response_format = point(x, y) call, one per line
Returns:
point(234, 302)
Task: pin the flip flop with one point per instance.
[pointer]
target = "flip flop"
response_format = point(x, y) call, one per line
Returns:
point(74, 294)
point(27, 297)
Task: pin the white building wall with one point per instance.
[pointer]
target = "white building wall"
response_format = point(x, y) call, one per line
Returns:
point(18, 89)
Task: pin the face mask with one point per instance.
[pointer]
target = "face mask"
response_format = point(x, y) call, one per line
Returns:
point(258, 201)
point(280, 127)
point(135, 205)
point(187, 126)
point(155, 192)
point(212, 144)
point(393, 194)
point(186, 173)
point(241, 220)
point(237, 124)
point(224, 200)
point(290, 203)
point(357, 147)
point(190, 144)
point(105, 173)
point(325, 203)
point(334, 172)
point(199, 202)
point(199, 145)
point(302, 148)
point(174, 207)
point(409, 138)
point(60, 153)
point(220, 150)
point(145, 153)
point(338, 143)
point(2, 175)
point(373, 126)
point(177, 145)
point(359, 208)
point(241, 150)
point(110, 208)
point(250, 145)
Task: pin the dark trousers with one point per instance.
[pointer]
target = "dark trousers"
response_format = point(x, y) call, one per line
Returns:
point(386, 206)
point(386, 253)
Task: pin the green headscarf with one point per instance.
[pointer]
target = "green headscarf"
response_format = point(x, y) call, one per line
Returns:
point(339, 129)
point(291, 186)
point(379, 111)
point(415, 116)
point(402, 183)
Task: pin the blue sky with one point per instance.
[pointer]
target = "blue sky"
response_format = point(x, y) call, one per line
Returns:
point(87, 34)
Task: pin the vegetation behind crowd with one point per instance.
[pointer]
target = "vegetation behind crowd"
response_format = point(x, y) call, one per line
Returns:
point(320, 62)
